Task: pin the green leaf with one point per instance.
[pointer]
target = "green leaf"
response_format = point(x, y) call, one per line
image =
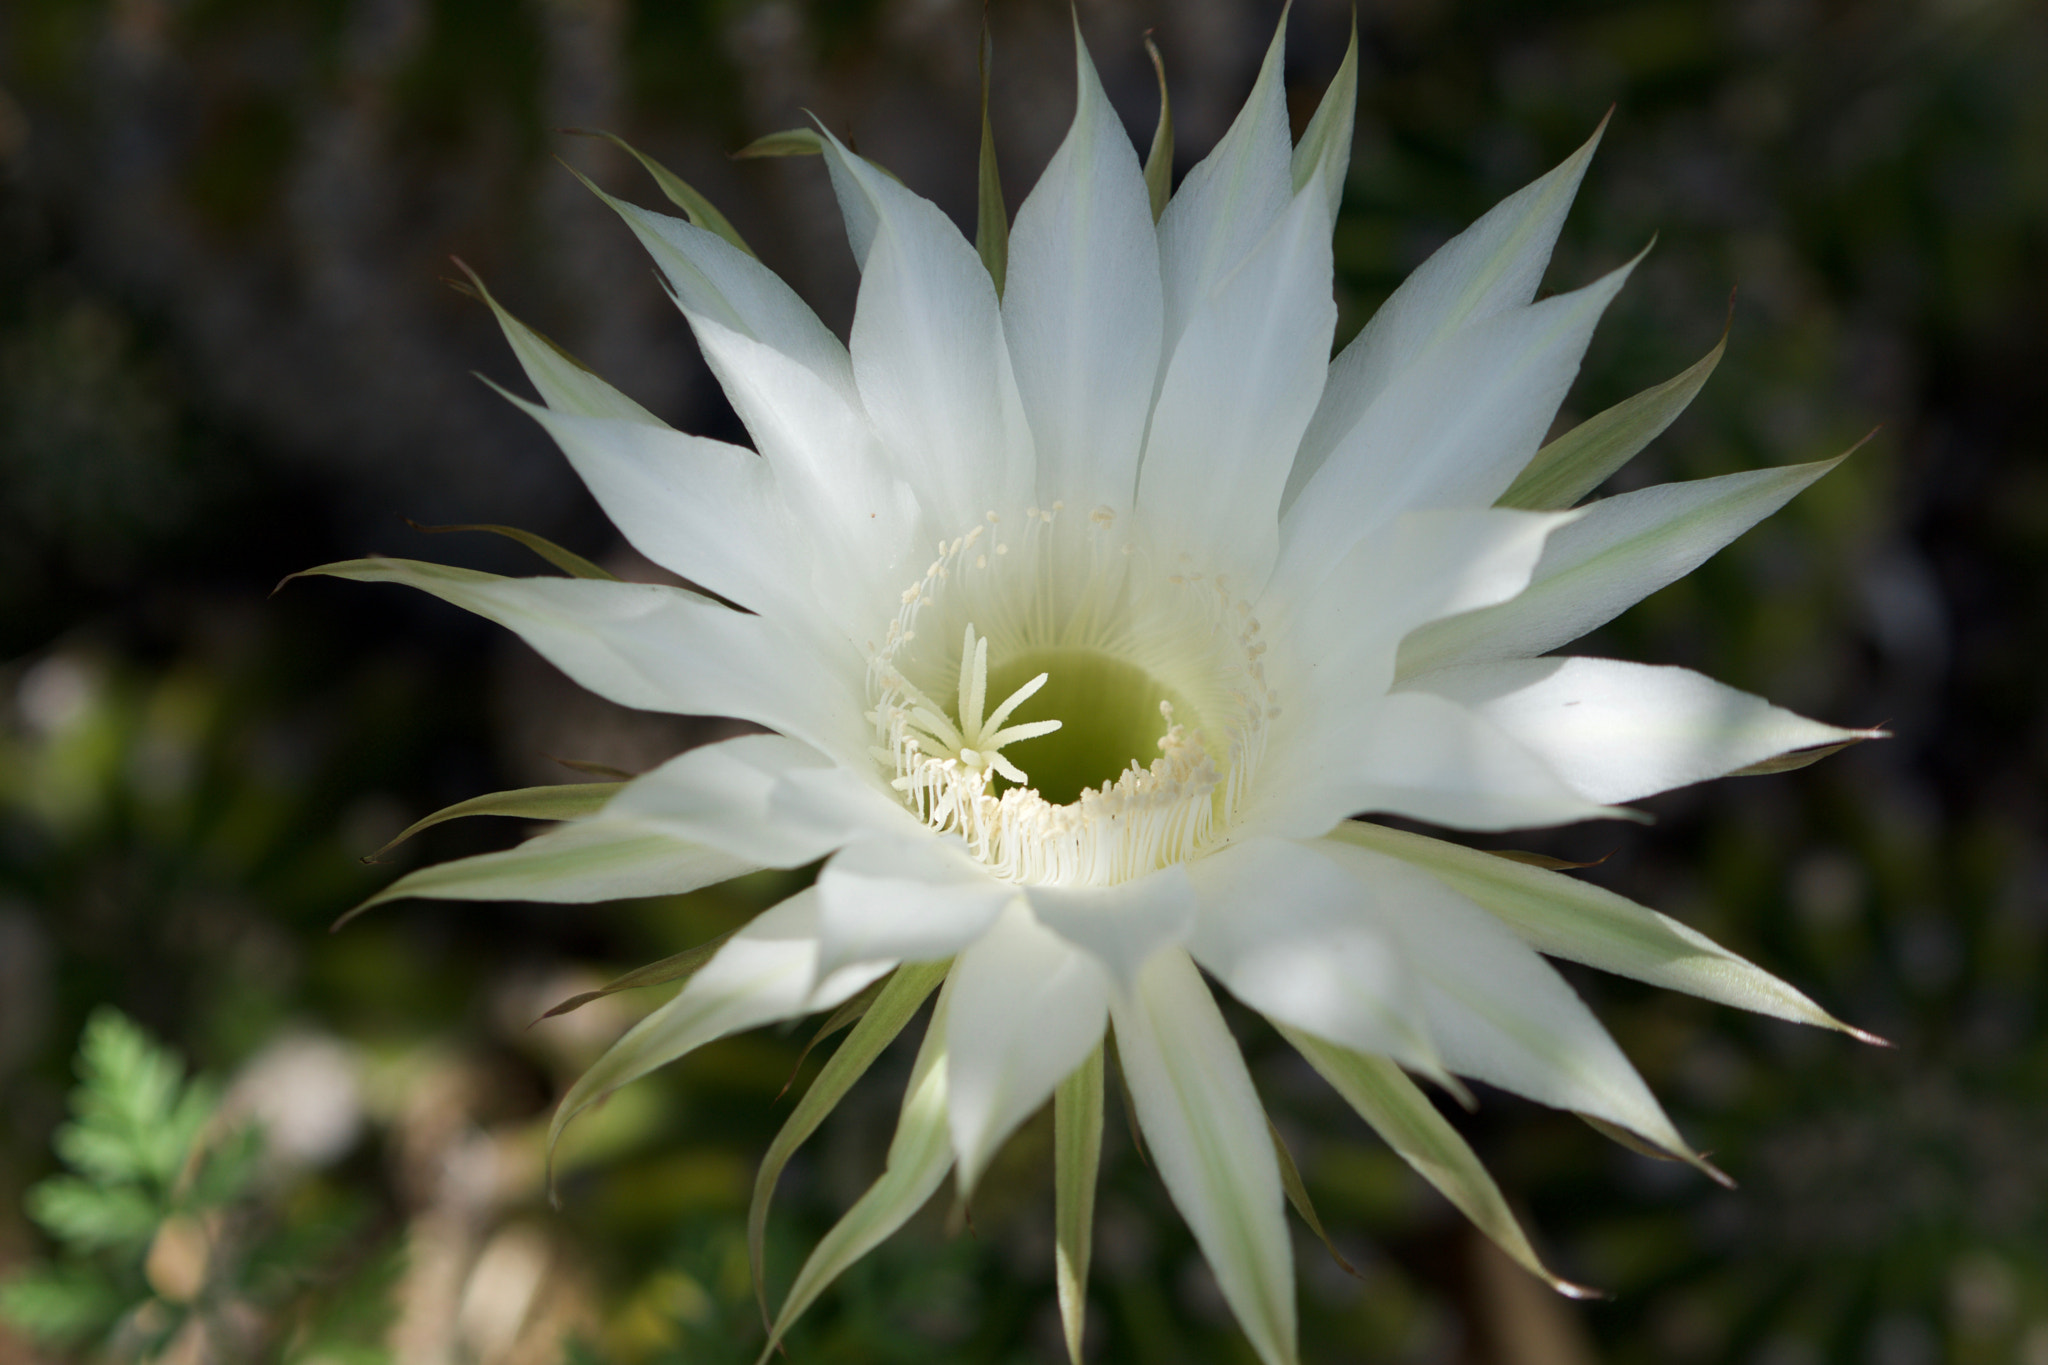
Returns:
point(1076, 1158)
point(694, 205)
point(675, 967)
point(919, 1156)
point(134, 1120)
point(992, 219)
point(575, 565)
point(562, 801)
point(789, 142)
point(900, 998)
point(1565, 917)
point(1398, 1110)
point(1159, 160)
point(1579, 461)
point(87, 1216)
point(1297, 1195)
point(60, 1306)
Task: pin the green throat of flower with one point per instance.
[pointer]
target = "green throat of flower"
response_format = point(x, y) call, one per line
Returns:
point(1098, 720)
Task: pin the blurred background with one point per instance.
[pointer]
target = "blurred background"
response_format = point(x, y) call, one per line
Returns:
point(227, 353)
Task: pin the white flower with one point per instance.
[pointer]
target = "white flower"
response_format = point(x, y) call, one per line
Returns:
point(1086, 617)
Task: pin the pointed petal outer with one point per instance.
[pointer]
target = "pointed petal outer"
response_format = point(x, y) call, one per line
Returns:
point(791, 383)
point(929, 357)
point(589, 860)
point(1489, 268)
point(1244, 377)
point(1425, 566)
point(698, 507)
point(1324, 152)
point(1579, 461)
point(1027, 1010)
point(1619, 731)
point(1455, 431)
point(1301, 941)
point(916, 897)
point(762, 797)
point(1565, 917)
point(1206, 1132)
point(1229, 201)
point(1082, 309)
point(901, 996)
point(562, 382)
point(1623, 549)
point(1416, 755)
point(767, 971)
point(919, 1157)
point(716, 281)
point(1076, 1156)
point(1499, 1013)
point(1121, 926)
point(1399, 1112)
point(654, 648)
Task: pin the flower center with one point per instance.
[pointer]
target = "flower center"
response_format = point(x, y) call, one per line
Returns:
point(1074, 714)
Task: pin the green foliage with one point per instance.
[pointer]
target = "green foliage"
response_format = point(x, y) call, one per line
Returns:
point(160, 1226)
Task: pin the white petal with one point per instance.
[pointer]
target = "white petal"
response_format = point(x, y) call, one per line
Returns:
point(1623, 549)
point(698, 507)
point(1081, 308)
point(1620, 731)
point(1027, 1009)
point(919, 898)
point(765, 972)
point(1498, 1012)
point(1302, 942)
point(1490, 267)
point(1575, 920)
point(1324, 153)
point(1455, 431)
point(1227, 203)
point(1206, 1132)
point(1242, 382)
point(1345, 635)
point(654, 648)
point(930, 359)
point(1121, 926)
point(769, 799)
point(862, 521)
point(1409, 754)
point(587, 860)
point(919, 1156)
point(714, 280)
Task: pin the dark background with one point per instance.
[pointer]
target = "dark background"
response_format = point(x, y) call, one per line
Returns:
point(226, 354)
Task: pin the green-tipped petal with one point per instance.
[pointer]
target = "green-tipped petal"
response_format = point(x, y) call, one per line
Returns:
point(765, 972)
point(565, 383)
point(589, 860)
point(1579, 922)
point(1209, 1142)
point(1620, 551)
point(568, 561)
point(565, 801)
point(901, 995)
point(1579, 461)
point(1076, 1156)
point(919, 1157)
point(680, 192)
point(1399, 1112)
point(991, 219)
point(1159, 159)
point(1324, 152)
